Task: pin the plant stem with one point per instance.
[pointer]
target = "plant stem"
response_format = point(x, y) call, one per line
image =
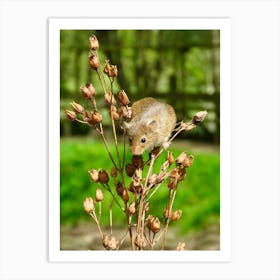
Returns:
point(172, 194)
point(93, 215)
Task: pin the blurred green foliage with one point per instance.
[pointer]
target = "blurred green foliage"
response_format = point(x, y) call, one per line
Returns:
point(198, 195)
point(181, 67)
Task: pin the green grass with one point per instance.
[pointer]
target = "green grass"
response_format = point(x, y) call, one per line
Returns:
point(198, 195)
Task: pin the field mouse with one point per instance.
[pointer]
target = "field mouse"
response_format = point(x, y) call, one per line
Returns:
point(150, 126)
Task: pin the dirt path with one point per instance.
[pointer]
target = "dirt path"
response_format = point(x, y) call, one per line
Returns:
point(86, 237)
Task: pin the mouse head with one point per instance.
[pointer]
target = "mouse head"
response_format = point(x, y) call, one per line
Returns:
point(142, 136)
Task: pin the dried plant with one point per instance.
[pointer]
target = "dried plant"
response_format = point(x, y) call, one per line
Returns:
point(144, 229)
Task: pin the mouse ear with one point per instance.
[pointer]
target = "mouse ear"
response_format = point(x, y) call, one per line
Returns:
point(152, 124)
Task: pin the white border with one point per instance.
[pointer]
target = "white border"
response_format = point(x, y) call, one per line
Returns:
point(224, 254)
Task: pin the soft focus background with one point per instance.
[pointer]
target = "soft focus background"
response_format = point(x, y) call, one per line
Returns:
point(176, 66)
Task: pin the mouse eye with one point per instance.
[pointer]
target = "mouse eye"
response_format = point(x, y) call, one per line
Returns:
point(130, 140)
point(143, 140)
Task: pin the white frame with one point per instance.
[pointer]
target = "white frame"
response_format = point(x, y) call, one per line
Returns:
point(24, 139)
point(222, 24)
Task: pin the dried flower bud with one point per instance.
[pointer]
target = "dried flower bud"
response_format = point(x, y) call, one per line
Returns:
point(123, 98)
point(180, 159)
point(93, 60)
point(77, 107)
point(125, 195)
point(119, 188)
point(88, 91)
point(132, 208)
point(93, 43)
point(167, 212)
point(109, 98)
point(88, 205)
point(170, 157)
point(99, 195)
point(176, 215)
point(103, 176)
point(153, 223)
point(110, 242)
point(129, 169)
point(199, 117)
point(114, 172)
point(94, 175)
point(110, 70)
point(70, 115)
point(137, 161)
point(188, 161)
point(180, 246)
point(96, 117)
point(113, 71)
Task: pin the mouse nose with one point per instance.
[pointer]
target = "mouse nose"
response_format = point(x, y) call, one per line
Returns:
point(137, 151)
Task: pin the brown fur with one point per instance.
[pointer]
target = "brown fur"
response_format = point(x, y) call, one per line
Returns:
point(152, 120)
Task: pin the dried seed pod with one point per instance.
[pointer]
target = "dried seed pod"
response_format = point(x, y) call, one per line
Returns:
point(110, 70)
point(88, 90)
point(132, 208)
point(77, 107)
point(96, 117)
point(180, 159)
point(93, 60)
point(89, 205)
point(188, 161)
point(93, 43)
point(199, 117)
point(119, 188)
point(70, 115)
point(153, 223)
point(103, 176)
point(170, 157)
point(137, 161)
point(109, 98)
point(110, 242)
point(123, 98)
point(180, 246)
point(129, 169)
point(125, 195)
point(99, 195)
point(94, 175)
point(176, 215)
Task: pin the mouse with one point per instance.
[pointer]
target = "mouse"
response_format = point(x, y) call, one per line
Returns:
point(151, 125)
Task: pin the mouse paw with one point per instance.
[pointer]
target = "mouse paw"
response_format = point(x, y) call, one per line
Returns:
point(165, 145)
